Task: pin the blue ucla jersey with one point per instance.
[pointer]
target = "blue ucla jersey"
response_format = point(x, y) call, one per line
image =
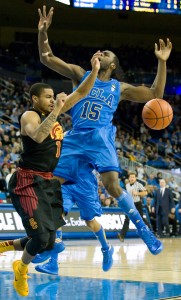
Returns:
point(97, 108)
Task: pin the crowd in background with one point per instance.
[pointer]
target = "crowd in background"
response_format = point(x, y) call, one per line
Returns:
point(160, 149)
point(136, 64)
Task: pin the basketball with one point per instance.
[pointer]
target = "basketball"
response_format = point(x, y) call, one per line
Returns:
point(157, 114)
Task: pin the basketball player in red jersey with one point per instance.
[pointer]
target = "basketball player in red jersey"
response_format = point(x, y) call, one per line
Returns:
point(34, 192)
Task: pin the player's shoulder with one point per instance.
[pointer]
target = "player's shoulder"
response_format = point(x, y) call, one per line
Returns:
point(78, 72)
point(78, 75)
point(83, 75)
point(30, 114)
point(125, 86)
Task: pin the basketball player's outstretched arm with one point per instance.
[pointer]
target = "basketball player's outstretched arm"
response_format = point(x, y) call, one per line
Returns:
point(74, 72)
point(84, 88)
point(144, 94)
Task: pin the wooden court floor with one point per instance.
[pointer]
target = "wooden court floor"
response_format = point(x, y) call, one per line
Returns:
point(136, 274)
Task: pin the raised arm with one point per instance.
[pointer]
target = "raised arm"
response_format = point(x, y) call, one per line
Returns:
point(47, 57)
point(84, 88)
point(144, 94)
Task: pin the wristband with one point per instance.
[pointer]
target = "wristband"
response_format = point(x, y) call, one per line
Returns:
point(45, 53)
point(46, 41)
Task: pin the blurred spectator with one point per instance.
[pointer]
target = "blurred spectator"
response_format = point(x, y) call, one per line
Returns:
point(171, 164)
point(107, 202)
point(178, 214)
point(161, 147)
point(1, 157)
point(168, 147)
point(140, 171)
point(118, 144)
point(6, 140)
point(149, 204)
point(124, 173)
point(102, 198)
point(158, 177)
point(149, 153)
point(152, 179)
point(163, 206)
point(13, 155)
point(176, 194)
point(172, 183)
point(5, 170)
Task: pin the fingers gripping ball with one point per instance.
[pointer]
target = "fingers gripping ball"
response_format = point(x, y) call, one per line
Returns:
point(157, 114)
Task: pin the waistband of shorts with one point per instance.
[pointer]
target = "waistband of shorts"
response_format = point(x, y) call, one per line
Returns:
point(82, 129)
point(46, 175)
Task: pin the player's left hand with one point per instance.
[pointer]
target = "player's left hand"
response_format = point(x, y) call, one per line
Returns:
point(95, 61)
point(165, 49)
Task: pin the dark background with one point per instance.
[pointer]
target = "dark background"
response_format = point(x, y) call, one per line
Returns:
point(88, 26)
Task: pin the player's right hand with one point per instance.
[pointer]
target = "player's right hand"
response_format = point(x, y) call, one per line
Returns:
point(45, 19)
point(60, 101)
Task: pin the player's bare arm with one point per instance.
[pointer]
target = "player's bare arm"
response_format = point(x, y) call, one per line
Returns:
point(47, 57)
point(143, 94)
point(31, 124)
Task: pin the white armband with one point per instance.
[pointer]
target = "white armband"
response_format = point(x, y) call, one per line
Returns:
point(45, 53)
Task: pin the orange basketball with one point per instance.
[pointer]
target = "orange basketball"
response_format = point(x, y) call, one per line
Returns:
point(157, 114)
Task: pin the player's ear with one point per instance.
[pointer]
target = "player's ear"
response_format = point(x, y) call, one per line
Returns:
point(113, 66)
point(34, 99)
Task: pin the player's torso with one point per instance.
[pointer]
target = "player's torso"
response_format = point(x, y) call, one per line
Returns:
point(42, 156)
point(97, 108)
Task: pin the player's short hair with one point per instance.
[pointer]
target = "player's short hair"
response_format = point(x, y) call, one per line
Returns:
point(36, 89)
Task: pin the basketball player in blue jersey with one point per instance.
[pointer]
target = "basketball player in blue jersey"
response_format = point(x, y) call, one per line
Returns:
point(92, 136)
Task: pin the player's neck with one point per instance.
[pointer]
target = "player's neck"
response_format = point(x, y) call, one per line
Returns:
point(40, 111)
point(104, 76)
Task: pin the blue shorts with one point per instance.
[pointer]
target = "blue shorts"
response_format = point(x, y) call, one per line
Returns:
point(85, 195)
point(94, 146)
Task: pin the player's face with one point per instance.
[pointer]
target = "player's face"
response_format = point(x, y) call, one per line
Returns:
point(106, 59)
point(46, 101)
point(132, 178)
